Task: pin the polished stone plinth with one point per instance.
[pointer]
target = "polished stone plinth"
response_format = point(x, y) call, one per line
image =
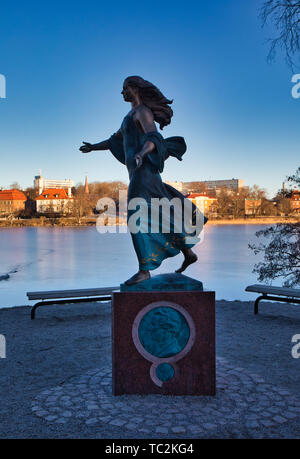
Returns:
point(164, 341)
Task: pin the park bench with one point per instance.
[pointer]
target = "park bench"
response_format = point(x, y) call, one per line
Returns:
point(272, 293)
point(70, 296)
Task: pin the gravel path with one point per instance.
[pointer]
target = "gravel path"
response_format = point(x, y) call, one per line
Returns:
point(55, 381)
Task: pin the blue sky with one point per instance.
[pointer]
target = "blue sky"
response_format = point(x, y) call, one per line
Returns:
point(65, 63)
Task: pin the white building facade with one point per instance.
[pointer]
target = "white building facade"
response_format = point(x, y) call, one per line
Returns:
point(53, 200)
point(40, 184)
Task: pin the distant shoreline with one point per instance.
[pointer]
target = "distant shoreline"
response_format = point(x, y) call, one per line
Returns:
point(91, 221)
point(254, 221)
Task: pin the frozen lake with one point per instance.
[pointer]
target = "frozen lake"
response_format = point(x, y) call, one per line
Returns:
point(68, 258)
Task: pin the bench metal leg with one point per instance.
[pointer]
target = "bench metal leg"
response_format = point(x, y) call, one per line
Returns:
point(274, 298)
point(70, 301)
point(256, 303)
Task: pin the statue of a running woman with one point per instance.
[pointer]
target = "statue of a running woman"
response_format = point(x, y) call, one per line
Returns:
point(139, 146)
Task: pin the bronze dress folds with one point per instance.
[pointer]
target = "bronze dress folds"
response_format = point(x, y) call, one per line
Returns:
point(146, 183)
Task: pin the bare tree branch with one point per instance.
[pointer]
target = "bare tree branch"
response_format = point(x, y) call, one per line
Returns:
point(285, 16)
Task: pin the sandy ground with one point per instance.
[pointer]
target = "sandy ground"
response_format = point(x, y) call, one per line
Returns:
point(66, 341)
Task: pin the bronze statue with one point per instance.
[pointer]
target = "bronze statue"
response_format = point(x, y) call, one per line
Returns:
point(143, 150)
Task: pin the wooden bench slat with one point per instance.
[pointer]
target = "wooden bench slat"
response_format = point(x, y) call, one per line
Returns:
point(273, 290)
point(77, 293)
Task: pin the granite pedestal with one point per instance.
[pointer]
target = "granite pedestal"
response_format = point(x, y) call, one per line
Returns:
point(163, 333)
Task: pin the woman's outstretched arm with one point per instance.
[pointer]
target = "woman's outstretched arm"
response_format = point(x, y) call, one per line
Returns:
point(104, 145)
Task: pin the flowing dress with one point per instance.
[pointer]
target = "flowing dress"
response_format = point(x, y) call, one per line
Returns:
point(145, 184)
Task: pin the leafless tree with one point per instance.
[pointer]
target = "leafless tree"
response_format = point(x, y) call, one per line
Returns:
point(281, 254)
point(30, 192)
point(284, 15)
point(15, 186)
point(295, 178)
point(224, 202)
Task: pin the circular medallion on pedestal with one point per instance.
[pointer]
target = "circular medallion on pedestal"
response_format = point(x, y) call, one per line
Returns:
point(163, 333)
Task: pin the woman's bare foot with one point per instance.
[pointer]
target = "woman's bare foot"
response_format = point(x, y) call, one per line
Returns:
point(189, 258)
point(138, 277)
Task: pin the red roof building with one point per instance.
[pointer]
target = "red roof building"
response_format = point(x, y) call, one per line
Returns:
point(202, 201)
point(295, 201)
point(54, 200)
point(11, 201)
point(252, 206)
point(53, 193)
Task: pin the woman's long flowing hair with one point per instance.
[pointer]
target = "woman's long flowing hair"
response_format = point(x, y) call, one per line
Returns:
point(153, 98)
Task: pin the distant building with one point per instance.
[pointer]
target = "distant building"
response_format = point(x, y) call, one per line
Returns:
point(40, 184)
point(53, 200)
point(295, 201)
point(11, 201)
point(233, 184)
point(252, 206)
point(177, 185)
point(202, 201)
